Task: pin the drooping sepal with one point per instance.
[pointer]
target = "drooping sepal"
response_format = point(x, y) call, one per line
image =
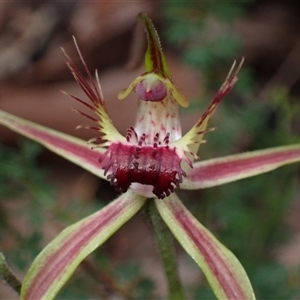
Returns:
point(57, 262)
point(222, 269)
point(148, 165)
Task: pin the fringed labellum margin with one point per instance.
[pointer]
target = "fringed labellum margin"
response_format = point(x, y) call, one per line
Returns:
point(150, 165)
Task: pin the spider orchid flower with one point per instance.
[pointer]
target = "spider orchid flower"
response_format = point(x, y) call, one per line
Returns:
point(148, 164)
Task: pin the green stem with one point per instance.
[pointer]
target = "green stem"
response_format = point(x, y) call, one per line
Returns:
point(165, 245)
point(8, 276)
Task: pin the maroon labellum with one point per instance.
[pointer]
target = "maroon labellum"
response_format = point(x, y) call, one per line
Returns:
point(150, 165)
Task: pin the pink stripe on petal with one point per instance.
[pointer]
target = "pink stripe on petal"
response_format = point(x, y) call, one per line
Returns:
point(58, 261)
point(154, 59)
point(60, 258)
point(83, 151)
point(71, 148)
point(223, 271)
point(212, 257)
point(231, 168)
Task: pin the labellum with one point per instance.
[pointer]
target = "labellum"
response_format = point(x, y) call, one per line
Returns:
point(158, 166)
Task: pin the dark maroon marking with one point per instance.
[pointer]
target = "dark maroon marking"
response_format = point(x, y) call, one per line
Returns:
point(70, 249)
point(153, 44)
point(90, 90)
point(155, 54)
point(223, 169)
point(203, 242)
point(156, 166)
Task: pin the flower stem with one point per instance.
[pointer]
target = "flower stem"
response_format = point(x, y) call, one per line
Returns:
point(8, 276)
point(165, 245)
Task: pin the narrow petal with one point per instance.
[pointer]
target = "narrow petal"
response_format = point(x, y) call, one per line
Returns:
point(71, 148)
point(223, 271)
point(94, 93)
point(194, 137)
point(57, 262)
point(226, 169)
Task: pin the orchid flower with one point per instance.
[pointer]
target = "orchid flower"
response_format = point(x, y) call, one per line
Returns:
point(148, 164)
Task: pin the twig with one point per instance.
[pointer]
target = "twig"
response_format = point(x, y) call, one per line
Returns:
point(8, 275)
